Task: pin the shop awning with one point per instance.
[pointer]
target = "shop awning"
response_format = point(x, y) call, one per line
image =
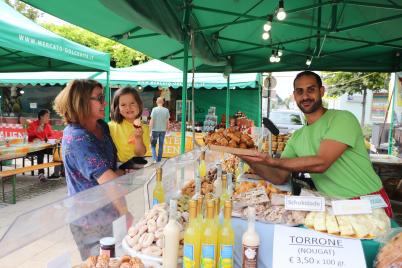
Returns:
point(27, 47)
point(152, 73)
point(339, 35)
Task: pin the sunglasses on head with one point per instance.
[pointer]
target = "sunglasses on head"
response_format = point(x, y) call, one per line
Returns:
point(100, 98)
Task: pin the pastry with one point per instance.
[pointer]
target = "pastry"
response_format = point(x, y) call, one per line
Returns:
point(390, 255)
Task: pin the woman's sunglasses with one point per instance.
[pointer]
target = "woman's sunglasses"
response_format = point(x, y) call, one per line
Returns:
point(100, 98)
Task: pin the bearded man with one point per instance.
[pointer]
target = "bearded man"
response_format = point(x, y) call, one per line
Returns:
point(330, 147)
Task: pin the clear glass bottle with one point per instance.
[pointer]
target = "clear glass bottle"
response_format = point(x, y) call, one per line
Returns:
point(218, 181)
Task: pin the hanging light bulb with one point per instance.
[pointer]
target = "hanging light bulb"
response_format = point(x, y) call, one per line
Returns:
point(277, 58)
point(281, 14)
point(268, 24)
point(272, 58)
point(265, 35)
point(22, 92)
point(280, 53)
point(308, 61)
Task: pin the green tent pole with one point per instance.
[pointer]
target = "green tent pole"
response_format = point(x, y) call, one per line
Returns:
point(391, 125)
point(184, 89)
point(259, 100)
point(228, 101)
point(107, 97)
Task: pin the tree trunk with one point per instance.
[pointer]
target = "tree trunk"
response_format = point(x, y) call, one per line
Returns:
point(364, 107)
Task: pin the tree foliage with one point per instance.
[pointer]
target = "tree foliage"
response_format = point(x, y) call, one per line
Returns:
point(121, 56)
point(26, 10)
point(339, 83)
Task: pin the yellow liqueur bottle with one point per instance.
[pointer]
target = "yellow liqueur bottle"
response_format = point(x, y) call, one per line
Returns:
point(200, 216)
point(226, 238)
point(209, 238)
point(225, 195)
point(158, 193)
point(202, 167)
point(192, 239)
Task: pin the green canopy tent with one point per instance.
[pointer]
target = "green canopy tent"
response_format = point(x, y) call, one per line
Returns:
point(27, 47)
point(341, 35)
point(157, 73)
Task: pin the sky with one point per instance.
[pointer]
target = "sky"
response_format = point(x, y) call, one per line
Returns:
point(47, 18)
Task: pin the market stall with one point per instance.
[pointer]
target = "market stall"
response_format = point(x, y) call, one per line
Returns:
point(39, 240)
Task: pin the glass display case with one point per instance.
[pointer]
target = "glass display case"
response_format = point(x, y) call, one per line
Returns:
point(42, 237)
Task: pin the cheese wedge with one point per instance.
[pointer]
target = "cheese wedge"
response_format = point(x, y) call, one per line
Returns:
point(360, 227)
point(331, 223)
point(381, 220)
point(309, 221)
point(368, 219)
point(319, 222)
point(345, 227)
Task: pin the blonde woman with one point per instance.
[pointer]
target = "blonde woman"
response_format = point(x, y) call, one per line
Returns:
point(89, 157)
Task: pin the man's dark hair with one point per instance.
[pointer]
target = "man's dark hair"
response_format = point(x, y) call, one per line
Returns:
point(308, 73)
point(43, 112)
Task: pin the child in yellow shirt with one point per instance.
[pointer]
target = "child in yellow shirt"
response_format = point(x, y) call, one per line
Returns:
point(130, 136)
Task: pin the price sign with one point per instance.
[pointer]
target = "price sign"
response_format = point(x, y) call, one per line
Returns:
point(303, 248)
point(305, 203)
point(376, 200)
point(350, 207)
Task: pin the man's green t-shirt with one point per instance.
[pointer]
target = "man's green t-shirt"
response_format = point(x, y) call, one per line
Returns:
point(352, 174)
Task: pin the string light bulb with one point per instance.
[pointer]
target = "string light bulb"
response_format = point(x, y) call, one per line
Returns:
point(265, 35)
point(272, 58)
point(308, 61)
point(268, 25)
point(281, 14)
point(280, 53)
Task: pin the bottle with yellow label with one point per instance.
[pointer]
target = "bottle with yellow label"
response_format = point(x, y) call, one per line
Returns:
point(209, 238)
point(158, 195)
point(202, 167)
point(226, 238)
point(192, 239)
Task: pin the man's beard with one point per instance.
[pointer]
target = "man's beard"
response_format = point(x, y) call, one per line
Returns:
point(316, 105)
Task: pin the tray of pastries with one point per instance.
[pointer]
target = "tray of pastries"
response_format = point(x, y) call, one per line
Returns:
point(230, 141)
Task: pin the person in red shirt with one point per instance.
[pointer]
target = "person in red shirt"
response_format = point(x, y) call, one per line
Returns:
point(41, 130)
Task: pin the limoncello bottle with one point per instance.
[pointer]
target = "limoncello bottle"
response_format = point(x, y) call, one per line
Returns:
point(217, 210)
point(159, 193)
point(171, 234)
point(225, 195)
point(209, 238)
point(226, 238)
point(202, 167)
point(200, 216)
point(192, 239)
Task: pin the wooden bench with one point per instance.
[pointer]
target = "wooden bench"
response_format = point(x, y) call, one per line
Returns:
point(6, 174)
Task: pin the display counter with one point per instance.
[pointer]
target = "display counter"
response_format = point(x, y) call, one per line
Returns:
point(42, 237)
